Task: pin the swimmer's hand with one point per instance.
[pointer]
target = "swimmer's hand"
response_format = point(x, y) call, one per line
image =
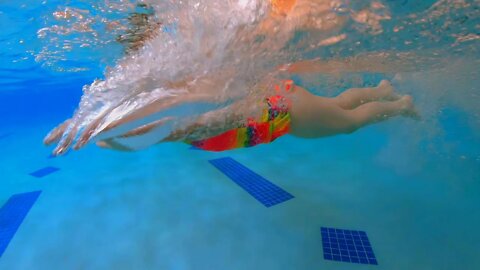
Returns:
point(56, 134)
point(68, 132)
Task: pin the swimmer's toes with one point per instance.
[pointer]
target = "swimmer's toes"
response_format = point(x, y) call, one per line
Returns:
point(409, 109)
point(384, 84)
point(388, 90)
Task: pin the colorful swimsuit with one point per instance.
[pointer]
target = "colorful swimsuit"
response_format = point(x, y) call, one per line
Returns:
point(275, 122)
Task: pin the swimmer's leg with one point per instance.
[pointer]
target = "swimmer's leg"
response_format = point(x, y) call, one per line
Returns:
point(354, 97)
point(379, 111)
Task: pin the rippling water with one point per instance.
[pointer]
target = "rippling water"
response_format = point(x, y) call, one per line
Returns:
point(412, 185)
point(230, 50)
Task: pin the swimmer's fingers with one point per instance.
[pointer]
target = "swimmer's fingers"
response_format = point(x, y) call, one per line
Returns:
point(65, 142)
point(86, 135)
point(55, 135)
point(89, 131)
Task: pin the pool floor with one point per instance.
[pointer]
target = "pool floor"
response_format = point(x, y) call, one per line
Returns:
point(168, 208)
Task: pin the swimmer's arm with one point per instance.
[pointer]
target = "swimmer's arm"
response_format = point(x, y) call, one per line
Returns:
point(205, 127)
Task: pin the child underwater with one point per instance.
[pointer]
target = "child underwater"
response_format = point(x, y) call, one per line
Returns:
point(287, 109)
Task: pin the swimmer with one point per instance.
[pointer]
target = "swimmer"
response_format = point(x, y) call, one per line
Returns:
point(291, 110)
point(298, 113)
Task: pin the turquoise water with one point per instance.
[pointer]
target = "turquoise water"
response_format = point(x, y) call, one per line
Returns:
point(413, 186)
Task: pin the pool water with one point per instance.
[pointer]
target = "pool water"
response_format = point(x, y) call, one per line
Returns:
point(412, 186)
point(158, 210)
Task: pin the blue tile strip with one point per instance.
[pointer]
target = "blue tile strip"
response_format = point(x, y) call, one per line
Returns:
point(260, 188)
point(347, 246)
point(44, 172)
point(12, 215)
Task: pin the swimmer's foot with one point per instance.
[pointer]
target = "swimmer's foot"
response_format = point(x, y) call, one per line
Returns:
point(408, 108)
point(388, 91)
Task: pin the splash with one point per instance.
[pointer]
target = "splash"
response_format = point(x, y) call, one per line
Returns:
point(209, 54)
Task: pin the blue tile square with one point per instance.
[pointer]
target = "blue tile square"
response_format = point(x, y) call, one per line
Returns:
point(44, 172)
point(12, 214)
point(368, 249)
point(347, 246)
point(258, 187)
point(362, 254)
